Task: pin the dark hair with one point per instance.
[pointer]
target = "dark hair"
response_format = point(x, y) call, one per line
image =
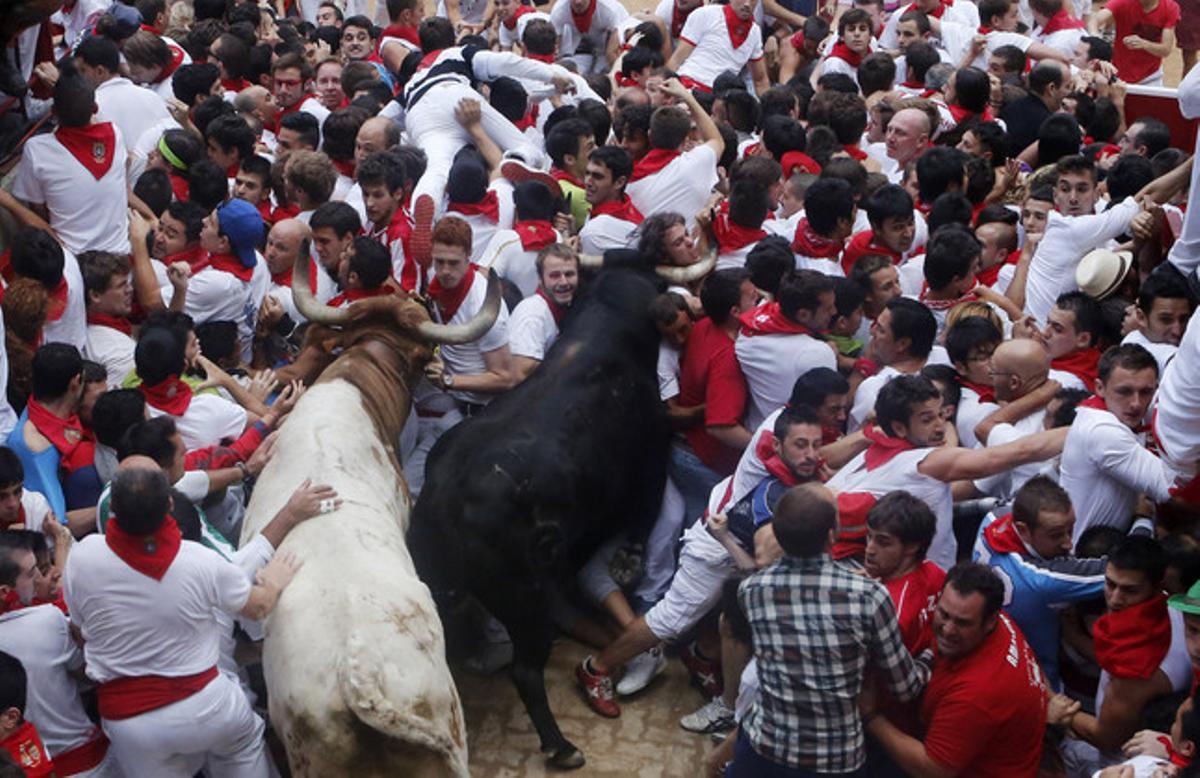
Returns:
point(371, 262)
point(937, 169)
point(382, 167)
point(158, 355)
point(565, 138)
point(54, 366)
point(896, 400)
point(803, 519)
point(99, 51)
point(949, 208)
point(115, 412)
point(782, 134)
point(920, 56)
point(848, 296)
point(208, 185)
point(768, 262)
point(906, 517)
point(845, 114)
point(191, 215)
point(1059, 137)
point(141, 498)
point(669, 127)
point(338, 216)
point(1165, 286)
point(792, 415)
point(1155, 135)
point(969, 578)
point(533, 200)
point(972, 88)
point(1012, 57)
point(722, 291)
point(193, 80)
point(13, 681)
point(153, 187)
point(1069, 399)
point(828, 201)
point(209, 109)
point(1127, 176)
point(435, 33)
point(802, 290)
point(876, 73)
point(338, 132)
point(1142, 554)
point(1129, 356)
point(615, 158)
point(950, 255)
point(1044, 74)
point(11, 469)
point(741, 109)
point(37, 255)
point(1038, 494)
point(596, 115)
point(748, 204)
point(150, 438)
point(1098, 48)
point(912, 320)
point(1088, 317)
point(632, 118)
point(306, 126)
point(968, 334)
point(98, 269)
point(837, 82)
point(888, 202)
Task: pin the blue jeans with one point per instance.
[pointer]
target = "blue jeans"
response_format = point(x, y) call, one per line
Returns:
point(694, 479)
point(748, 763)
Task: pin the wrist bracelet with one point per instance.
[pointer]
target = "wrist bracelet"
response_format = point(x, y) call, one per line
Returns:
point(868, 367)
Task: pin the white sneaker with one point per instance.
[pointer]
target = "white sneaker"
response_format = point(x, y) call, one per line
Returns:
point(641, 670)
point(713, 716)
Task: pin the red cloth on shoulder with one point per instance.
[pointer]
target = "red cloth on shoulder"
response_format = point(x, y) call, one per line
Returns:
point(149, 555)
point(1132, 642)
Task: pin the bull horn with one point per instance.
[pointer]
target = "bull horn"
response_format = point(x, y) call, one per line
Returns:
point(682, 276)
point(308, 306)
point(470, 330)
point(591, 261)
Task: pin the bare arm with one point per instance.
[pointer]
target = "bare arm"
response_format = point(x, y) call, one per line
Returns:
point(717, 525)
point(758, 71)
point(1162, 49)
point(906, 751)
point(842, 450)
point(145, 284)
point(24, 215)
point(1016, 288)
point(1166, 186)
point(735, 436)
point(682, 52)
point(241, 395)
point(304, 503)
point(1101, 20)
point(958, 464)
point(1121, 713)
point(1041, 51)
point(524, 367)
point(498, 375)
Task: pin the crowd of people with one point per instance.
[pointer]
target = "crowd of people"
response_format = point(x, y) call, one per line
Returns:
point(931, 495)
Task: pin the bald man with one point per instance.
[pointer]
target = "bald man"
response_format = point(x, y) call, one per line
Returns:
point(376, 134)
point(288, 239)
point(907, 138)
point(999, 242)
point(255, 102)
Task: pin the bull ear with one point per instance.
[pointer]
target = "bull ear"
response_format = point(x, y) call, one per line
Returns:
point(306, 304)
point(473, 329)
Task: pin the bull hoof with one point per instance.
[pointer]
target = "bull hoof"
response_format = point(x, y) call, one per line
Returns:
point(567, 758)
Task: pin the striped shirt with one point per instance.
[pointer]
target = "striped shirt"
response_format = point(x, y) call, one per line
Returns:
point(817, 627)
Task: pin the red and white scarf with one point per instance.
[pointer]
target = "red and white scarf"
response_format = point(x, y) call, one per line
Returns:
point(94, 146)
point(171, 395)
point(449, 300)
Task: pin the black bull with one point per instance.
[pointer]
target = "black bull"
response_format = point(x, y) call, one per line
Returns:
point(518, 498)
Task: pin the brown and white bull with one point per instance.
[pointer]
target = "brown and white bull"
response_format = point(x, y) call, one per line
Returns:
point(354, 654)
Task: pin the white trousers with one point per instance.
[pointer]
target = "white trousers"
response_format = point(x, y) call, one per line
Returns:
point(433, 128)
point(215, 730)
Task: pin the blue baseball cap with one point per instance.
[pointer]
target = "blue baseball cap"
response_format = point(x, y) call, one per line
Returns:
point(128, 20)
point(243, 225)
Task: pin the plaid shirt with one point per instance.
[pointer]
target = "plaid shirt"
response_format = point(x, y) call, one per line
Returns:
point(816, 626)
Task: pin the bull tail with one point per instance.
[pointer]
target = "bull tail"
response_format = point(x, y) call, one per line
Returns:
point(408, 717)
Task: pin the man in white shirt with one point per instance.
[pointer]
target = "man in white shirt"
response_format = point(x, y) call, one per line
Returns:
point(778, 342)
point(668, 178)
point(963, 13)
point(536, 320)
point(970, 344)
point(109, 297)
point(717, 38)
point(290, 76)
point(1105, 465)
point(130, 107)
point(36, 255)
point(1073, 229)
point(613, 217)
point(287, 240)
point(75, 177)
point(513, 253)
point(908, 136)
point(1160, 316)
point(593, 21)
point(901, 339)
point(220, 287)
point(146, 603)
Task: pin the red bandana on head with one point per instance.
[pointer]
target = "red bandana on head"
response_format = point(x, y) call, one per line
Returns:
point(808, 243)
point(1132, 643)
point(1082, 363)
point(738, 29)
point(1001, 535)
point(583, 21)
point(1062, 21)
point(843, 52)
point(74, 443)
point(449, 300)
point(883, 447)
point(150, 555)
point(768, 319)
point(118, 323)
point(488, 207)
point(654, 161)
point(171, 396)
point(619, 209)
point(557, 310)
point(94, 146)
point(535, 234)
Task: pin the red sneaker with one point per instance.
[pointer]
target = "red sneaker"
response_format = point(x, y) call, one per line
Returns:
point(421, 243)
point(517, 171)
point(597, 690)
point(706, 673)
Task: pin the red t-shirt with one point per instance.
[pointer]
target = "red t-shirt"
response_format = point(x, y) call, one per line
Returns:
point(1135, 65)
point(709, 373)
point(915, 596)
point(985, 713)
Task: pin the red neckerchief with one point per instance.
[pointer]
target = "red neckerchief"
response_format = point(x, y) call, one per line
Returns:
point(883, 447)
point(11, 601)
point(146, 27)
point(235, 85)
point(731, 237)
point(179, 186)
point(58, 301)
point(535, 234)
point(862, 244)
point(149, 555)
point(1001, 536)
point(19, 522)
point(654, 161)
point(194, 256)
point(624, 80)
point(264, 210)
point(547, 58)
point(961, 114)
point(987, 394)
point(556, 310)
point(990, 276)
point(622, 209)
point(942, 305)
point(841, 51)
point(511, 22)
point(1083, 363)
point(768, 319)
point(738, 30)
point(583, 21)
point(284, 278)
point(282, 212)
point(528, 120)
point(403, 32)
point(764, 449)
point(25, 746)
point(293, 108)
point(798, 159)
point(350, 295)
point(488, 207)
point(172, 66)
point(118, 323)
point(1062, 21)
point(94, 146)
point(854, 151)
point(228, 263)
point(678, 18)
point(345, 167)
point(73, 442)
point(983, 29)
point(1096, 402)
point(449, 300)
point(561, 175)
point(808, 243)
point(1131, 643)
point(57, 602)
point(172, 395)
point(1173, 756)
point(917, 86)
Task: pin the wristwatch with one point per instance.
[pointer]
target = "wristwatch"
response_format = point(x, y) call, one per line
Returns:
point(447, 380)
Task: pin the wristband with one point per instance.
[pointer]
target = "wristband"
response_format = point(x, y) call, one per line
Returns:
point(868, 367)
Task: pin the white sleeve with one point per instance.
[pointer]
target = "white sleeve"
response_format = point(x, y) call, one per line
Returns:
point(1114, 450)
point(230, 586)
point(193, 485)
point(1189, 95)
point(1095, 229)
point(757, 53)
point(490, 65)
point(27, 185)
point(693, 29)
point(864, 403)
point(999, 38)
point(253, 555)
point(956, 39)
point(497, 335)
point(526, 338)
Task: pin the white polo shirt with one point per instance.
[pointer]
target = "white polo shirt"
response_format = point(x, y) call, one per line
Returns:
point(707, 30)
point(208, 419)
point(771, 365)
point(86, 214)
point(1066, 240)
point(532, 329)
point(467, 358)
point(683, 186)
point(1163, 352)
point(71, 327)
point(604, 232)
point(128, 106)
point(134, 626)
point(40, 637)
point(113, 349)
point(1104, 467)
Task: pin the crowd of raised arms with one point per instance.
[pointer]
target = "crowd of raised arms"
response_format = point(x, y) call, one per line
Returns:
point(935, 405)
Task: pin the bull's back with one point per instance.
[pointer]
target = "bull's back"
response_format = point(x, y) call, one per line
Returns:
point(354, 655)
